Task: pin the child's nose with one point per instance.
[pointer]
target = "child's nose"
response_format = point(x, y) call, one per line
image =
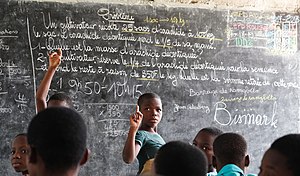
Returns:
point(17, 155)
point(155, 112)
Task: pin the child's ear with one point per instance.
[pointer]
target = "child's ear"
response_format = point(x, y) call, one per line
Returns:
point(247, 160)
point(85, 157)
point(33, 155)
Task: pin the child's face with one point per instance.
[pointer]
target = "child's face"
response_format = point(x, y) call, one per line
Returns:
point(20, 153)
point(274, 164)
point(152, 112)
point(204, 141)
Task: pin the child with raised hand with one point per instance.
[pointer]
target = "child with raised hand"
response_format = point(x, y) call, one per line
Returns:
point(143, 141)
point(58, 99)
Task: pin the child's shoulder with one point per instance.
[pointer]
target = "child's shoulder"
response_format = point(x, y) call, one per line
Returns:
point(147, 132)
point(144, 132)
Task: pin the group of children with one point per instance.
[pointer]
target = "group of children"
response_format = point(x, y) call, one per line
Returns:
point(213, 152)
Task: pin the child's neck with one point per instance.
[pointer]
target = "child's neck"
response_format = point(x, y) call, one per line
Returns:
point(25, 173)
point(149, 129)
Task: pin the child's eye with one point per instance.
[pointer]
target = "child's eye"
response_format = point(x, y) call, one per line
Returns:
point(206, 148)
point(24, 151)
point(147, 109)
point(12, 152)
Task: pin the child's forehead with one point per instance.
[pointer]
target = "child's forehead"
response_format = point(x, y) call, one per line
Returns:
point(20, 140)
point(151, 101)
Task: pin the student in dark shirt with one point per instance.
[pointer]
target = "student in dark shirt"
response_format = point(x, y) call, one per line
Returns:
point(57, 138)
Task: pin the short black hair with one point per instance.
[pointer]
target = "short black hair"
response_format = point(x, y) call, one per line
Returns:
point(58, 135)
point(289, 146)
point(146, 96)
point(230, 148)
point(62, 97)
point(21, 134)
point(177, 158)
point(212, 131)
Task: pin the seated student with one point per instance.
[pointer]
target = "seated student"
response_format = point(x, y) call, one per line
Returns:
point(57, 139)
point(58, 99)
point(204, 140)
point(20, 154)
point(230, 154)
point(282, 158)
point(177, 158)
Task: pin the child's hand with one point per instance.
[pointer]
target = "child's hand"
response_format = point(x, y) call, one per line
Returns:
point(136, 119)
point(55, 58)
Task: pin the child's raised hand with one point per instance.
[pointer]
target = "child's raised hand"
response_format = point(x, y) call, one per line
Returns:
point(136, 118)
point(55, 58)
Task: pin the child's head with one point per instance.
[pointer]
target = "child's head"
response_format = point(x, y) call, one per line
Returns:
point(151, 107)
point(57, 138)
point(204, 140)
point(230, 148)
point(283, 157)
point(60, 100)
point(20, 153)
point(177, 158)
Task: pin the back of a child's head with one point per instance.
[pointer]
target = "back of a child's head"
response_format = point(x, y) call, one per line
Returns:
point(62, 97)
point(58, 135)
point(146, 96)
point(177, 158)
point(289, 146)
point(230, 148)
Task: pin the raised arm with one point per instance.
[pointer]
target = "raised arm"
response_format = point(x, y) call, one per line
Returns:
point(131, 148)
point(43, 89)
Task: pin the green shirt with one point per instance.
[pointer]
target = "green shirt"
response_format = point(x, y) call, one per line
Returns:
point(150, 143)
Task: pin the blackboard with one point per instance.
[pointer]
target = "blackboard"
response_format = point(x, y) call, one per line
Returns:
point(233, 69)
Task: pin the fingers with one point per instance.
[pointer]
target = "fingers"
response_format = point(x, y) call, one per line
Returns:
point(138, 112)
point(58, 52)
point(134, 118)
point(137, 116)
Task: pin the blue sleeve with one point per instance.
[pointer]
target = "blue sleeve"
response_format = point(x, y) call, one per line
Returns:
point(140, 138)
